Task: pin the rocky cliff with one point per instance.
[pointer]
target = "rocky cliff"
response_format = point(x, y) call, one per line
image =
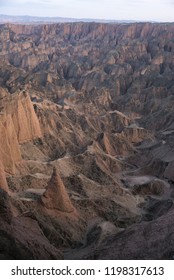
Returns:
point(18, 124)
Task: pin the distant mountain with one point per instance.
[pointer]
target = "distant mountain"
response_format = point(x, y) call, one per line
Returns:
point(32, 19)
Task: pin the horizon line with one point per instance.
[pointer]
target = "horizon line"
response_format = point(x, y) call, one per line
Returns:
point(81, 19)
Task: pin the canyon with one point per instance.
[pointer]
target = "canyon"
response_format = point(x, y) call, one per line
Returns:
point(86, 141)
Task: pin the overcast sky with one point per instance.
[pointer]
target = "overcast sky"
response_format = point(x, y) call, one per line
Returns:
point(157, 10)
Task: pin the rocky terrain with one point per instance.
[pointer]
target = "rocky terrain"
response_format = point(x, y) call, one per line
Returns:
point(86, 141)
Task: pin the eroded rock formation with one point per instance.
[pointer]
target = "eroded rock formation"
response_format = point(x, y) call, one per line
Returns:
point(55, 196)
point(94, 101)
point(3, 181)
point(18, 124)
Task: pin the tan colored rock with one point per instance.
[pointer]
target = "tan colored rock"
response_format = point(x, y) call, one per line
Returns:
point(9, 147)
point(135, 134)
point(108, 147)
point(55, 196)
point(18, 124)
point(25, 120)
point(3, 93)
point(3, 181)
point(158, 60)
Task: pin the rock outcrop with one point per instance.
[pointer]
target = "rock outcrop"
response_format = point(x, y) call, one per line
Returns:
point(25, 121)
point(3, 181)
point(18, 124)
point(9, 146)
point(56, 197)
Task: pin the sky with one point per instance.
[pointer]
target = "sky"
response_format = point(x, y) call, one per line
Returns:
point(141, 10)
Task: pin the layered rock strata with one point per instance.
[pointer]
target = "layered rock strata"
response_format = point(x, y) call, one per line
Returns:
point(18, 124)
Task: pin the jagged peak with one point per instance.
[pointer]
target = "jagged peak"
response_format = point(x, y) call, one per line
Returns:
point(55, 195)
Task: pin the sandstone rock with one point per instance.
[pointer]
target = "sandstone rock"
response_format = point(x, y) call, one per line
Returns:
point(135, 134)
point(115, 144)
point(3, 93)
point(25, 120)
point(3, 181)
point(55, 196)
point(9, 147)
point(18, 124)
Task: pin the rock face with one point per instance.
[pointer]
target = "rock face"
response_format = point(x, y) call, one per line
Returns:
point(55, 196)
point(95, 101)
point(25, 120)
point(9, 151)
point(21, 237)
point(26, 124)
point(3, 181)
point(18, 124)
